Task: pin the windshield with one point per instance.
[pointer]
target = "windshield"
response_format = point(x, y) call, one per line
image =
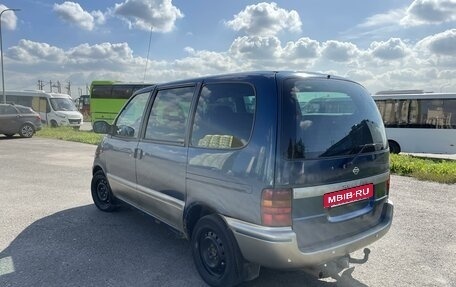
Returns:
point(62, 104)
point(325, 117)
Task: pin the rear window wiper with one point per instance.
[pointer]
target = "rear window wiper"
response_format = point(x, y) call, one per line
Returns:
point(374, 145)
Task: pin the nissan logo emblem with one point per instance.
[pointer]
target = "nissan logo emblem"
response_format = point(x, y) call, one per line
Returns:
point(356, 170)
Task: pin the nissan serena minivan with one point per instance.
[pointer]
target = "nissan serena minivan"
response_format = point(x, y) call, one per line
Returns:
point(278, 169)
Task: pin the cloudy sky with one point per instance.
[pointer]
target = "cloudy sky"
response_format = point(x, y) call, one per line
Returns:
point(388, 44)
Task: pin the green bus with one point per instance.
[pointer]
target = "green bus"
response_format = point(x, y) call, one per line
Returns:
point(108, 97)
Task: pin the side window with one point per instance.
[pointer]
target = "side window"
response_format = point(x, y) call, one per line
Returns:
point(224, 116)
point(10, 110)
point(129, 121)
point(24, 110)
point(44, 105)
point(169, 115)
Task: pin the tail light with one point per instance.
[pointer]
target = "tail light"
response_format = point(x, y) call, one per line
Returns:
point(276, 207)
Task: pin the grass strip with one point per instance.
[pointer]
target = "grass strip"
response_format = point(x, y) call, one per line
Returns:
point(438, 170)
point(70, 134)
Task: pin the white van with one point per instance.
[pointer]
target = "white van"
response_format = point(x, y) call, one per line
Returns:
point(55, 109)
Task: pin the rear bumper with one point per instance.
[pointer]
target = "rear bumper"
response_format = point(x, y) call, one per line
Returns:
point(277, 247)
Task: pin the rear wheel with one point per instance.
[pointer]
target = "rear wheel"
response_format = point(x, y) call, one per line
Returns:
point(26, 131)
point(215, 252)
point(101, 193)
point(394, 147)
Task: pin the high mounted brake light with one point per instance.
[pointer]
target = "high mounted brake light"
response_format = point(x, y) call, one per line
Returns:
point(276, 207)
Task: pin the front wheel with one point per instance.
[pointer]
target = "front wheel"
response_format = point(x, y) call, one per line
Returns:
point(101, 193)
point(26, 131)
point(215, 252)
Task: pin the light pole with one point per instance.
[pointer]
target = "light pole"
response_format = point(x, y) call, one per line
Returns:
point(1, 52)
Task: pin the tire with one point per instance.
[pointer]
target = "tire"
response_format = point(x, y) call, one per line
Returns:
point(394, 147)
point(54, 124)
point(216, 253)
point(101, 193)
point(76, 128)
point(26, 130)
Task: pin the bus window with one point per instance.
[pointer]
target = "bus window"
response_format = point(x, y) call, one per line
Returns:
point(122, 91)
point(102, 92)
point(449, 107)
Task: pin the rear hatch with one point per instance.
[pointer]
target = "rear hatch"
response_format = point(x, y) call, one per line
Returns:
point(333, 152)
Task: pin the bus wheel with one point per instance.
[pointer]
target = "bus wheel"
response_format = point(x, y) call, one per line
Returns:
point(54, 124)
point(394, 147)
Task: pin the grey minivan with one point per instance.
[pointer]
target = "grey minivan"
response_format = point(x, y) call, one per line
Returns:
point(278, 169)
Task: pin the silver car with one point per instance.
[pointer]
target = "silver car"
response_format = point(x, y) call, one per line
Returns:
point(17, 119)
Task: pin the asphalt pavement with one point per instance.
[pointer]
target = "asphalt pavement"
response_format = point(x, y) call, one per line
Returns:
point(52, 235)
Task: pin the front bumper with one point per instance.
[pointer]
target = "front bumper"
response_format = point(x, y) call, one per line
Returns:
point(277, 247)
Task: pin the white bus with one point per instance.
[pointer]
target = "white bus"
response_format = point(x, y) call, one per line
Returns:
point(419, 122)
point(55, 109)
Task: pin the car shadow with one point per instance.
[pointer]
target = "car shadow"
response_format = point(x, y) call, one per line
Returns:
point(86, 247)
point(3, 137)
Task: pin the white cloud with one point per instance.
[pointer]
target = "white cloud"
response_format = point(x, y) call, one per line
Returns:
point(105, 51)
point(73, 13)
point(382, 65)
point(359, 75)
point(387, 18)
point(265, 19)
point(9, 19)
point(420, 12)
point(441, 44)
point(392, 49)
point(98, 17)
point(340, 51)
point(255, 47)
point(303, 48)
point(30, 52)
point(158, 15)
point(430, 12)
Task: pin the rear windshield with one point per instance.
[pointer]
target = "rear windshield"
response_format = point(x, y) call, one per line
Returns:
point(326, 118)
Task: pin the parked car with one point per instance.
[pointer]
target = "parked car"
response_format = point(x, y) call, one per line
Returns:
point(239, 167)
point(18, 119)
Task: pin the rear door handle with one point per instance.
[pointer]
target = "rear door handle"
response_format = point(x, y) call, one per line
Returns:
point(138, 153)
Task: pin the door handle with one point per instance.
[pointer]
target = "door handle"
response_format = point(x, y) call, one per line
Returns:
point(138, 153)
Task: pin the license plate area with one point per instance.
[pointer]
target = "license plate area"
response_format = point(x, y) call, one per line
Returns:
point(349, 195)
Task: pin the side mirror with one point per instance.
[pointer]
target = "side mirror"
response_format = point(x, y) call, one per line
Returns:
point(101, 127)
